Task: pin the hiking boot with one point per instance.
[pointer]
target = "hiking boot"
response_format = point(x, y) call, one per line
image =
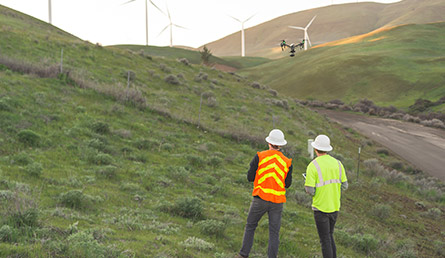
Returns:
point(240, 256)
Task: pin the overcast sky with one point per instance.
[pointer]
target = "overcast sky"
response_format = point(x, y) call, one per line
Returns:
point(112, 22)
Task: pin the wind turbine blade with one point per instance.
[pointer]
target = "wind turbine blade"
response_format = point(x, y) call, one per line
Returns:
point(179, 26)
point(236, 19)
point(159, 9)
point(309, 24)
point(128, 2)
point(169, 17)
point(250, 17)
point(166, 27)
point(309, 40)
point(298, 28)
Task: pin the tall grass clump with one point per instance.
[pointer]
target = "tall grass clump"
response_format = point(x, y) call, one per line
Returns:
point(76, 199)
point(188, 207)
point(381, 211)
point(212, 227)
point(197, 243)
point(29, 138)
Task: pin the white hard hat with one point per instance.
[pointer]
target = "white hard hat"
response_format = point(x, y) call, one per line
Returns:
point(276, 137)
point(322, 143)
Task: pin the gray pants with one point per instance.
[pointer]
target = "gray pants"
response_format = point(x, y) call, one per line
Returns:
point(256, 211)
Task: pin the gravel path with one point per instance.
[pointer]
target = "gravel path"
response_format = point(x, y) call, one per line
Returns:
point(423, 147)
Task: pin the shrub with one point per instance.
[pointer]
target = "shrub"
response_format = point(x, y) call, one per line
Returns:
point(381, 211)
point(106, 171)
point(145, 144)
point(82, 244)
point(164, 68)
point(129, 75)
point(29, 138)
point(395, 177)
point(197, 243)
point(203, 76)
point(172, 79)
point(76, 199)
point(188, 208)
point(273, 92)
point(4, 106)
point(22, 159)
point(184, 61)
point(396, 165)
point(303, 199)
point(97, 144)
point(34, 169)
point(439, 247)
point(211, 102)
point(103, 159)
point(195, 161)
point(255, 85)
point(433, 213)
point(7, 234)
point(212, 227)
point(364, 243)
point(382, 151)
point(373, 167)
point(26, 218)
point(100, 127)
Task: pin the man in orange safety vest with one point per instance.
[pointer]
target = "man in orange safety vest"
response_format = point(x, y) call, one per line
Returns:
point(271, 172)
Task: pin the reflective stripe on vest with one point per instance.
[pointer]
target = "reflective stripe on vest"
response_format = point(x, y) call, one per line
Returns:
point(271, 191)
point(320, 176)
point(270, 176)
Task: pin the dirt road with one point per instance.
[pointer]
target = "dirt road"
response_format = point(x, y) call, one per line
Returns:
point(423, 147)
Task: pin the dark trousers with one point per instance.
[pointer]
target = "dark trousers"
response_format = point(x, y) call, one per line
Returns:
point(325, 226)
point(257, 209)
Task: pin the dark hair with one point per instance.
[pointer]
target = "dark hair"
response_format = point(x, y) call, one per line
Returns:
point(276, 147)
point(321, 152)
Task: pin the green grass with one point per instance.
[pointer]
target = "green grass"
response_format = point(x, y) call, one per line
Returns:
point(393, 67)
point(117, 174)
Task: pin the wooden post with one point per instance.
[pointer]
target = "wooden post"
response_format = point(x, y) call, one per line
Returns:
point(199, 114)
point(61, 61)
point(358, 162)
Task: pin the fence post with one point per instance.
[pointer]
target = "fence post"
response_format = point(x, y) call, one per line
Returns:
point(358, 162)
point(199, 114)
point(310, 149)
point(61, 61)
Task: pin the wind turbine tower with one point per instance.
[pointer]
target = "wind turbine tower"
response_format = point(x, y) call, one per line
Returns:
point(49, 12)
point(146, 16)
point(243, 46)
point(170, 25)
point(306, 36)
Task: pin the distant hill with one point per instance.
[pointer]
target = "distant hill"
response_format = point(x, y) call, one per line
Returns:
point(129, 154)
point(332, 23)
point(393, 66)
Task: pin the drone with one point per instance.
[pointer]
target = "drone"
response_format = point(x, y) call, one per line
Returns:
point(292, 46)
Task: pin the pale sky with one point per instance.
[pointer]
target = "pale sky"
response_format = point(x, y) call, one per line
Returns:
point(111, 22)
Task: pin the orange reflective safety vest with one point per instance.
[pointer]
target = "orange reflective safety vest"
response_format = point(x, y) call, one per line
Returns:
point(270, 176)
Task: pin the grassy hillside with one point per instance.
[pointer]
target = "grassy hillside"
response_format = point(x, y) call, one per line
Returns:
point(391, 67)
point(194, 57)
point(91, 167)
point(332, 23)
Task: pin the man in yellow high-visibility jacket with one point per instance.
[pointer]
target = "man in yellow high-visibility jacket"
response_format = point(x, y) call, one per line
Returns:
point(271, 172)
point(325, 178)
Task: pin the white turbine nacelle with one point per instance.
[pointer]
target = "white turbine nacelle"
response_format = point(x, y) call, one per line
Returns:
point(243, 46)
point(306, 36)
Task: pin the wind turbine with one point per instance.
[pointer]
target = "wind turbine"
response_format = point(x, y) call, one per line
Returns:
point(171, 24)
point(243, 46)
point(306, 36)
point(146, 16)
point(49, 12)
